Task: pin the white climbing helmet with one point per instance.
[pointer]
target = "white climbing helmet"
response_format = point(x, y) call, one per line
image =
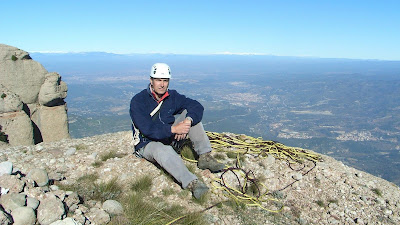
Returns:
point(160, 70)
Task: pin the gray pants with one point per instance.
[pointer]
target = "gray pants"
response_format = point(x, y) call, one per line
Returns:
point(168, 159)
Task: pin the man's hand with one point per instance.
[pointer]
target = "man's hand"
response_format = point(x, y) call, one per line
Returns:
point(181, 129)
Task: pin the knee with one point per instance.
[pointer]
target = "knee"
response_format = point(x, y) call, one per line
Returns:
point(163, 150)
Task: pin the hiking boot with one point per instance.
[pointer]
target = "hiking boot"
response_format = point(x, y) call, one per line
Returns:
point(197, 188)
point(206, 161)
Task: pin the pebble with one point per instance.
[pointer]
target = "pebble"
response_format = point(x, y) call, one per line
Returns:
point(6, 168)
point(70, 151)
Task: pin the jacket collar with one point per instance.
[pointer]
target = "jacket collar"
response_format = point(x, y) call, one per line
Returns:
point(153, 94)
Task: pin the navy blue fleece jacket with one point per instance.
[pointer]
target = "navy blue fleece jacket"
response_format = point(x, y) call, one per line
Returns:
point(158, 127)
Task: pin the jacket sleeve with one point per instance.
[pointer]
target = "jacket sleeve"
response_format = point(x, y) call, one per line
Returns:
point(194, 108)
point(143, 121)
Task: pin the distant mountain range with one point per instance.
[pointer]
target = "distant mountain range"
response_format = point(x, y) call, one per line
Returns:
point(249, 64)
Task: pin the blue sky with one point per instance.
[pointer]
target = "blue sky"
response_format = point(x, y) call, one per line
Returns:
point(359, 29)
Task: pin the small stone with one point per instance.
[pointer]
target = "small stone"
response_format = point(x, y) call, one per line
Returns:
point(270, 159)
point(23, 216)
point(5, 219)
point(11, 183)
point(98, 216)
point(39, 176)
point(388, 212)
point(66, 221)
point(50, 210)
point(70, 151)
point(32, 202)
point(6, 168)
point(113, 207)
point(297, 176)
point(12, 201)
point(93, 155)
point(54, 187)
point(358, 221)
point(380, 201)
point(332, 220)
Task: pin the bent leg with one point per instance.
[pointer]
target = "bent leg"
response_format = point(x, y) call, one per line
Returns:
point(197, 135)
point(200, 140)
point(168, 159)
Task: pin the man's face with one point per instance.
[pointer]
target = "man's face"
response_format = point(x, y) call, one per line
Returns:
point(160, 85)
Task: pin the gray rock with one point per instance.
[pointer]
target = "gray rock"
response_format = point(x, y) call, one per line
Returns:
point(17, 70)
point(98, 216)
point(380, 201)
point(5, 219)
point(388, 212)
point(270, 159)
point(72, 200)
point(54, 187)
point(50, 210)
point(23, 216)
point(24, 81)
point(18, 127)
point(39, 147)
point(113, 207)
point(12, 201)
point(9, 101)
point(52, 122)
point(358, 221)
point(32, 202)
point(6, 168)
point(39, 176)
point(66, 221)
point(93, 155)
point(53, 90)
point(70, 151)
point(12, 183)
point(297, 176)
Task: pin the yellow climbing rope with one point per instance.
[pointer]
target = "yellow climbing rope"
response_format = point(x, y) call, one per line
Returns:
point(243, 144)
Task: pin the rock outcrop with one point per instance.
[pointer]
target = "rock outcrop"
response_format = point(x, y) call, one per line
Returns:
point(32, 107)
point(36, 177)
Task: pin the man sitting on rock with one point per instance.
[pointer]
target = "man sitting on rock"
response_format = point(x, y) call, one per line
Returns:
point(163, 118)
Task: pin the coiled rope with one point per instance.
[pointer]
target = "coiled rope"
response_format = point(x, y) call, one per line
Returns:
point(260, 195)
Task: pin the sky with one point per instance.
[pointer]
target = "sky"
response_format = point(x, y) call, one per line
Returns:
point(357, 29)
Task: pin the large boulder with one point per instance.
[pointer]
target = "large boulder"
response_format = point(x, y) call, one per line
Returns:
point(53, 90)
point(18, 127)
point(52, 122)
point(20, 73)
point(9, 101)
point(32, 107)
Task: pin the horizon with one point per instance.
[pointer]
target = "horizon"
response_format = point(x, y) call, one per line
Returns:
point(310, 28)
point(202, 54)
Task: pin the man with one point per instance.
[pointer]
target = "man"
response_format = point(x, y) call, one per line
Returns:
point(163, 118)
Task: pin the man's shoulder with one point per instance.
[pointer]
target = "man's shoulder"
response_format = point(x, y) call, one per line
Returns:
point(172, 92)
point(140, 95)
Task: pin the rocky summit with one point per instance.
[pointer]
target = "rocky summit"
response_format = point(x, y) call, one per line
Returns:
point(74, 181)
